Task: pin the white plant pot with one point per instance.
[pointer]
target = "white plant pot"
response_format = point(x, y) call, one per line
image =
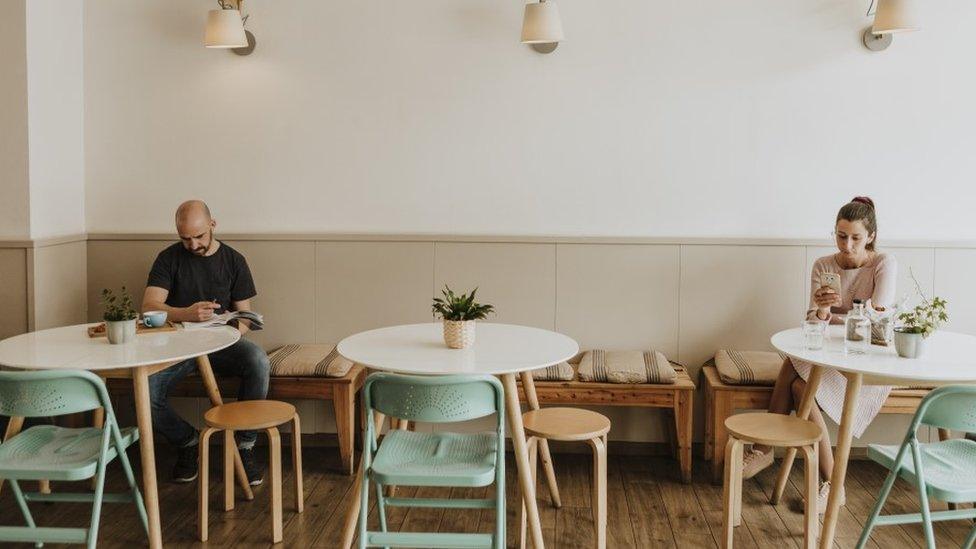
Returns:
point(909, 345)
point(459, 334)
point(120, 331)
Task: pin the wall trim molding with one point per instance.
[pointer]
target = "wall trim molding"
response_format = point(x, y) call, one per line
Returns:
point(44, 242)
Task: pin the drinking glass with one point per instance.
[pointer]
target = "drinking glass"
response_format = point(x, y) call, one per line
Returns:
point(813, 334)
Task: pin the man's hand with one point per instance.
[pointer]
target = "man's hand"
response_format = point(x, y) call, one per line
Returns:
point(201, 311)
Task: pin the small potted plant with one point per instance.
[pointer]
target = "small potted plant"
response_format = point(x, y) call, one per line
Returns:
point(120, 316)
point(918, 324)
point(459, 313)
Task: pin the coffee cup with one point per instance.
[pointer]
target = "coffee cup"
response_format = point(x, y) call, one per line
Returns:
point(154, 319)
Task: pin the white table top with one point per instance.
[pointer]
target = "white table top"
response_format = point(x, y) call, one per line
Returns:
point(69, 347)
point(420, 349)
point(949, 357)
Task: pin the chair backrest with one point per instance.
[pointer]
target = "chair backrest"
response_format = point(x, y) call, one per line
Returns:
point(951, 407)
point(434, 399)
point(51, 393)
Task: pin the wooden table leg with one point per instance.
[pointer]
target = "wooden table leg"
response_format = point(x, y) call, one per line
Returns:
point(837, 476)
point(213, 391)
point(140, 383)
point(517, 432)
point(14, 425)
point(802, 412)
point(528, 385)
point(352, 515)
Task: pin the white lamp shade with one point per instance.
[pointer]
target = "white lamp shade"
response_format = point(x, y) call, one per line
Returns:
point(893, 16)
point(225, 29)
point(541, 24)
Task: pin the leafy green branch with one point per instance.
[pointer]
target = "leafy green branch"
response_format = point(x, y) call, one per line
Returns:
point(927, 317)
point(118, 307)
point(460, 307)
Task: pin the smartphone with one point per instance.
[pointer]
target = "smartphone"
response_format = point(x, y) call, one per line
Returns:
point(830, 280)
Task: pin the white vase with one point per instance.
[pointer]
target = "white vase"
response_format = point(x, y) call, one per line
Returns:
point(120, 331)
point(459, 334)
point(909, 345)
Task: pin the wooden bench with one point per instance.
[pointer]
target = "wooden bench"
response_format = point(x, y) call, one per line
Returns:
point(340, 390)
point(722, 400)
point(675, 399)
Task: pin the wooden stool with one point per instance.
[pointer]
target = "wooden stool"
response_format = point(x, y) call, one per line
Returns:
point(572, 424)
point(250, 415)
point(778, 431)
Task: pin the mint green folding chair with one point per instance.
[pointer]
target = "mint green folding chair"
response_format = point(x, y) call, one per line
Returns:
point(58, 453)
point(408, 458)
point(945, 470)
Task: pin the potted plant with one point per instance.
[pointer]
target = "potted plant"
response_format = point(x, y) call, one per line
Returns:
point(459, 313)
point(120, 316)
point(918, 324)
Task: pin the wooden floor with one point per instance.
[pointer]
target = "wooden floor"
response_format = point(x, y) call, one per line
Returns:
point(649, 507)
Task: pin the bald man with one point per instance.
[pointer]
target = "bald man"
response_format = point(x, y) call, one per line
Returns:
point(192, 280)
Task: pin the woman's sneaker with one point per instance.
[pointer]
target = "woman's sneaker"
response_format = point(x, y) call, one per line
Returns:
point(754, 461)
point(823, 494)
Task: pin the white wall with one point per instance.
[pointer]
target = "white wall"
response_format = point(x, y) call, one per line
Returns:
point(56, 117)
point(652, 118)
point(14, 191)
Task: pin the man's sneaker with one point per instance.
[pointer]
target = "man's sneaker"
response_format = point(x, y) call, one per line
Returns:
point(754, 461)
point(187, 463)
point(255, 475)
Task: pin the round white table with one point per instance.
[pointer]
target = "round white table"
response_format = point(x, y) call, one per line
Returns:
point(500, 349)
point(69, 347)
point(948, 358)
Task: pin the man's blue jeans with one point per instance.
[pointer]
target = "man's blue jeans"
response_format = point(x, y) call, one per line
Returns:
point(244, 359)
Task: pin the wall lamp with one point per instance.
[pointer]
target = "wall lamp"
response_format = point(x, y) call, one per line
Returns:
point(225, 28)
point(890, 17)
point(542, 28)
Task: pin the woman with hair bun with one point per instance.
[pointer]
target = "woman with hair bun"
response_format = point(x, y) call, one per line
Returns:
point(865, 274)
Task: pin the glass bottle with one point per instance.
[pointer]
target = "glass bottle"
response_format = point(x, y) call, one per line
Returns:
point(857, 330)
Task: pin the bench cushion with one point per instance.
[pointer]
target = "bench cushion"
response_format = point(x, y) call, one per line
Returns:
point(748, 367)
point(308, 360)
point(557, 372)
point(626, 367)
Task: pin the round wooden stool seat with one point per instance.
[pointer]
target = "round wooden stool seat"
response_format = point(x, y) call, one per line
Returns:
point(565, 424)
point(249, 415)
point(773, 429)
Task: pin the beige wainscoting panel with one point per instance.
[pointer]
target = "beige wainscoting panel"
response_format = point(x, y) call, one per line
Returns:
point(60, 285)
point(284, 275)
point(920, 261)
point(518, 279)
point(13, 292)
point(954, 275)
point(738, 297)
point(618, 296)
point(114, 263)
point(365, 285)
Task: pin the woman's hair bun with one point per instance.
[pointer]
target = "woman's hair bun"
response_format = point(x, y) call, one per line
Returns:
point(864, 200)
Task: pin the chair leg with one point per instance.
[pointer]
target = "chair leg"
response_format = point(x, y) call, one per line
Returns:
point(721, 410)
point(364, 495)
point(229, 446)
point(708, 450)
point(683, 432)
point(732, 490)
point(546, 457)
point(275, 465)
point(878, 505)
point(381, 507)
point(130, 477)
point(343, 404)
point(970, 539)
point(599, 491)
point(923, 498)
point(22, 503)
point(203, 485)
point(14, 425)
point(811, 523)
point(296, 462)
point(98, 422)
point(99, 492)
point(532, 446)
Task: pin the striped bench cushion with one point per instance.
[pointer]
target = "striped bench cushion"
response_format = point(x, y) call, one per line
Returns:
point(626, 367)
point(308, 360)
point(557, 372)
point(748, 367)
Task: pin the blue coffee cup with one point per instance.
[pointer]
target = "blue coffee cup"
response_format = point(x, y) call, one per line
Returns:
point(154, 319)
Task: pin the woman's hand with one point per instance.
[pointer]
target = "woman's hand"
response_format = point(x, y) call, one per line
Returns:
point(825, 298)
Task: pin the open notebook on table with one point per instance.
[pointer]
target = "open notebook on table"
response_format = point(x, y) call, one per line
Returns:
point(256, 320)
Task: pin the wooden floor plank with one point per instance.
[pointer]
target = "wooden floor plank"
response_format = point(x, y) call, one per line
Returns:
point(684, 511)
point(647, 513)
point(710, 499)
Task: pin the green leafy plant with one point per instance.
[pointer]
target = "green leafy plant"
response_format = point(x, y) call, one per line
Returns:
point(460, 307)
point(927, 317)
point(118, 307)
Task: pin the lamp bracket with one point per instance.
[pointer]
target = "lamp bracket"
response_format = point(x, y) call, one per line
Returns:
point(875, 42)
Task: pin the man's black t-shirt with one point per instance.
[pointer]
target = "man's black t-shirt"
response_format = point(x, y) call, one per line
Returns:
point(223, 276)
